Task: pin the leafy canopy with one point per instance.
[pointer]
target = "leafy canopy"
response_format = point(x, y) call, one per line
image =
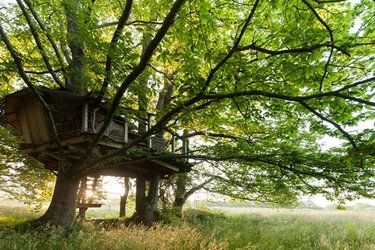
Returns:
point(256, 84)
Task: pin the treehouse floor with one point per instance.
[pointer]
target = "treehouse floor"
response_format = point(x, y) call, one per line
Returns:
point(146, 162)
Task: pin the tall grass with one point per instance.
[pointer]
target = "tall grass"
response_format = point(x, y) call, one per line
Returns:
point(11, 216)
point(288, 229)
point(91, 235)
point(121, 237)
point(199, 229)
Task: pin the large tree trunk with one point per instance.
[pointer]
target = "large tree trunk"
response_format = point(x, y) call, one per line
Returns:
point(61, 210)
point(147, 207)
point(180, 192)
point(140, 197)
point(151, 212)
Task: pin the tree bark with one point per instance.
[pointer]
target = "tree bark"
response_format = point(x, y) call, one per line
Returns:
point(124, 198)
point(61, 210)
point(151, 212)
point(82, 197)
point(140, 197)
point(180, 192)
point(147, 207)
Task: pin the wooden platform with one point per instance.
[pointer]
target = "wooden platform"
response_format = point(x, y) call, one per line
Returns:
point(77, 119)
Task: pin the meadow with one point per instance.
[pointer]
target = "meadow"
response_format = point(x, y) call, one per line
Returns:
point(201, 229)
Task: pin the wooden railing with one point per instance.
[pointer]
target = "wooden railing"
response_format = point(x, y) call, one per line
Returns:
point(130, 126)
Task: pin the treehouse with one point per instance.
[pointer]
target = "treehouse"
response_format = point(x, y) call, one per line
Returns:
point(77, 119)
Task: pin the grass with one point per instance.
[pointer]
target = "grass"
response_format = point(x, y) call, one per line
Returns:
point(288, 229)
point(15, 215)
point(203, 229)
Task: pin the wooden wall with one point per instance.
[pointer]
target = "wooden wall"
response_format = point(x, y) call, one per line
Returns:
point(33, 121)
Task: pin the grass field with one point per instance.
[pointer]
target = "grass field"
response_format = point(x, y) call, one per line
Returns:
point(203, 229)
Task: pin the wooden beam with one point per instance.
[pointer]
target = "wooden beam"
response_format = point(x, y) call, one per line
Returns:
point(126, 131)
point(173, 143)
point(28, 148)
point(110, 144)
point(149, 140)
point(166, 165)
point(85, 117)
point(140, 195)
point(85, 205)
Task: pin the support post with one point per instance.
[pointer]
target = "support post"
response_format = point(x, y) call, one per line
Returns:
point(187, 147)
point(126, 131)
point(93, 122)
point(173, 143)
point(85, 117)
point(149, 140)
point(140, 196)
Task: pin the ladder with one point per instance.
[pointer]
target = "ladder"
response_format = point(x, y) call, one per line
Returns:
point(86, 195)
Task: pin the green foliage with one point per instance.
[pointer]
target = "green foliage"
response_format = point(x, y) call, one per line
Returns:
point(258, 84)
point(22, 178)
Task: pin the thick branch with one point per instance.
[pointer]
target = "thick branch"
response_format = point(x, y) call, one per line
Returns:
point(326, 26)
point(354, 99)
point(17, 60)
point(39, 44)
point(218, 97)
point(329, 1)
point(232, 50)
point(48, 35)
point(108, 65)
point(40, 72)
point(149, 51)
point(217, 135)
point(198, 187)
point(129, 23)
point(266, 159)
point(309, 49)
point(309, 108)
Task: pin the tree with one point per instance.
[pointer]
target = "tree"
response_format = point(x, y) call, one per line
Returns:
point(19, 174)
point(256, 83)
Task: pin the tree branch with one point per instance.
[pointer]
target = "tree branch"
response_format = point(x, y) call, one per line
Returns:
point(356, 99)
point(330, 38)
point(217, 135)
point(196, 188)
point(129, 23)
point(218, 97)
point(41, 72)
point(309, 49)
point(145, 58)
point(39, 44)
point(48, 35)
point(232, 50)
point(108, 64)
point(329, 1)
point(17, 60)
point(161, 72)
point(346, 134)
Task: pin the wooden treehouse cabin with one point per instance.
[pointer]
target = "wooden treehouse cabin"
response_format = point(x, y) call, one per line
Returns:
point(77, 119)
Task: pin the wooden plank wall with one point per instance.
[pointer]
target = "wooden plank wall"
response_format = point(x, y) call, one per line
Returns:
point(33, 121)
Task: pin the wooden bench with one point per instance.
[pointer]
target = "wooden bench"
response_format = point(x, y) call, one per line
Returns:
point(87, 205)
point(83, 208)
